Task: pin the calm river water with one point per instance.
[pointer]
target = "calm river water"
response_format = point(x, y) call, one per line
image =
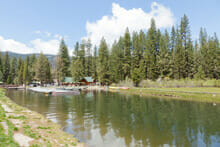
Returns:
point(106, 119)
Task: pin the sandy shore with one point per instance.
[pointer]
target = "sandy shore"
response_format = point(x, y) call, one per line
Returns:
point(22, 127)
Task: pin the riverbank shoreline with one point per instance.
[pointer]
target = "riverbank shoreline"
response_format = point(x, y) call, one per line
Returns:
point(20, 126)
point(200, 94)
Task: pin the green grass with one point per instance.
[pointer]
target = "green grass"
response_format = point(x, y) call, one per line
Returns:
point(6, 139)
point(29, 132)
point(22, 117)
point(195, 94)
point(180, 83)
point(211, 90)
point(44, 128)
point(168, 83)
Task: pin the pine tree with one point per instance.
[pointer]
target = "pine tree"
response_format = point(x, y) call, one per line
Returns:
point(127, 54)
point(172, 52)
point(13, 66)
point(78, 65)
point(63, 61)
point(76, 50)
point(179, 58)
point(200, 73)
point(150, 53)
point(116, 60)
point(187, 46)
point(138, 67)
point(217, 57)
point(19, 71)
point(43, 72)
point(6, 68)
point(94, 63)
point(88, 59)
point(26, 71)
point(1, 66)
point(203, 39)
point(164, 55)
point(31, 68)
point(47, 68)
point(103, 63)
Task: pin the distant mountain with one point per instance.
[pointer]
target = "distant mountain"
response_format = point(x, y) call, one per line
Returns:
point(23, 56)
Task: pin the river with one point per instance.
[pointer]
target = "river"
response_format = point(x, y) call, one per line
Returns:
point(106, 119)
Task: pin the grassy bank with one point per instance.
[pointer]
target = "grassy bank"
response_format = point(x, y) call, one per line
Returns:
point(203, 94)
point(22, 127)
point(169, 83)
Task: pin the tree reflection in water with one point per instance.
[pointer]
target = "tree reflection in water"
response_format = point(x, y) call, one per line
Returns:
point(111, 119)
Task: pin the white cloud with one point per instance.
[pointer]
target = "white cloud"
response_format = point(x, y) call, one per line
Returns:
point(35, 46)
point(37, 32)
point(47, 43)
point(48, 34)
point(57, 36)
point(47, 47)
point(14, 46)
point(111, 27)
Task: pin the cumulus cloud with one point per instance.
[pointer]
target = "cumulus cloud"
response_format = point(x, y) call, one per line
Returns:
point(35, 46)
point(47, 47)
point(14, 46)
point(111, 27)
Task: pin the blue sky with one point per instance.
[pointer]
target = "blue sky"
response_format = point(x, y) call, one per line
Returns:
point(33, 26)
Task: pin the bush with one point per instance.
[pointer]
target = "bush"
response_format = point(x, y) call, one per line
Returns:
point(126, 83)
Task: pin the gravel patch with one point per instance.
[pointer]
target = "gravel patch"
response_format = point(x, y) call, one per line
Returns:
point(22, 140)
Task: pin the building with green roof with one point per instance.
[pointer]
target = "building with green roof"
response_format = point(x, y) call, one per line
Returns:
point(83, 81)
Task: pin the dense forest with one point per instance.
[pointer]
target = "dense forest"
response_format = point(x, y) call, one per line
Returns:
point(138, 55)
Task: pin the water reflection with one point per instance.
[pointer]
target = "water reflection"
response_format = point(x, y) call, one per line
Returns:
point(111, 119)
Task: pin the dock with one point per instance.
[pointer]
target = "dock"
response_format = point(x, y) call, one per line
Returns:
point(56, 91)
point(12, 87)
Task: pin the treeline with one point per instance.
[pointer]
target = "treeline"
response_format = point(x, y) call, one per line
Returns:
point(150, 55)
point(155, 54)
point(19, 71)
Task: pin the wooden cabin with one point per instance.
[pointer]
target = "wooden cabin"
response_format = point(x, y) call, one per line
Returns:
point(88, 81)
point(67, 81)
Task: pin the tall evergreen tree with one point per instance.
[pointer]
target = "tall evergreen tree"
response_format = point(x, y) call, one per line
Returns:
point(78, 65)
point(13, 66)
point(138, 67)
point(19, 71)
point(94, 63)
point(127, 54)
point(172, 52)
point(1, 68)
point(103, 63)
point(88, 64)
point(26, 71)
point(164, 55)
point(6, 68)
point(43, 72)
point(63, 61)
point(203, 39)
point(187, 46)
point(76, 50)
point(151, 52)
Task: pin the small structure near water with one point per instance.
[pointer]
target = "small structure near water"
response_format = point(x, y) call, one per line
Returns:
point(88, 81)
point(83, 81)
point(55, 91)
